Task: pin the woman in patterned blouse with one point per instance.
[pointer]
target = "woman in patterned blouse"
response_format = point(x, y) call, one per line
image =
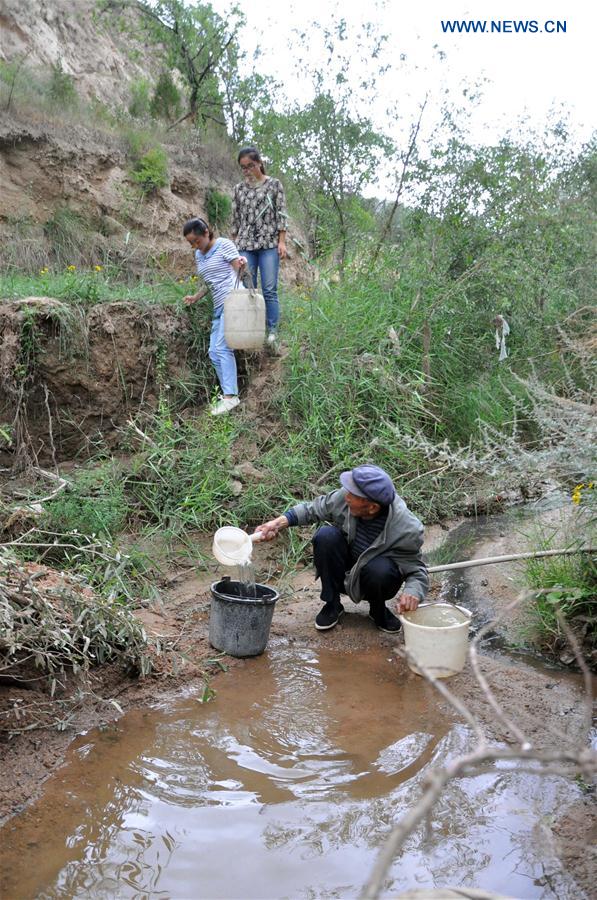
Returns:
point(259, 229)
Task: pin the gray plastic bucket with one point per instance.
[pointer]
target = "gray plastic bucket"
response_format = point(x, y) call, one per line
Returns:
point(239, 625)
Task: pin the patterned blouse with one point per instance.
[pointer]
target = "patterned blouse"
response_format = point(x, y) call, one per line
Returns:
point(258, 214)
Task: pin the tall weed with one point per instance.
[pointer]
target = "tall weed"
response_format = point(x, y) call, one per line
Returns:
point(567, 585)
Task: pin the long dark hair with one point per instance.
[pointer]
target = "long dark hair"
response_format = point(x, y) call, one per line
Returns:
point(197, 226)
point(254, 154)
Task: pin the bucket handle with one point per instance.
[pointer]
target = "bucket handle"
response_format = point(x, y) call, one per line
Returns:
point(243, 278)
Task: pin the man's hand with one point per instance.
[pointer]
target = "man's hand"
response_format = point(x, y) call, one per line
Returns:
point(407, 603)
point(270, 530)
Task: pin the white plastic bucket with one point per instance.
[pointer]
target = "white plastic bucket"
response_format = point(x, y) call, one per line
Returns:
point(436, 638)
point(244, 319)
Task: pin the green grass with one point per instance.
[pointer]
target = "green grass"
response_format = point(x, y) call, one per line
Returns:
point(567, 585)
point(352, 396)
point(88, 287)
point(94, 506)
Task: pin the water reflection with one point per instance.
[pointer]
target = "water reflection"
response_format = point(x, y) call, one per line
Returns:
point(284, 789)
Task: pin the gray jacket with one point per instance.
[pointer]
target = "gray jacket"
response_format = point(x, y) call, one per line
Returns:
point(401, 540)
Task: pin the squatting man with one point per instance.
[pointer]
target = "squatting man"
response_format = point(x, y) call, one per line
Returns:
point(370, 550)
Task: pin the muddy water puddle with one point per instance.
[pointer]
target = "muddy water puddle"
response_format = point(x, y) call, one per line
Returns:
point(285, 785)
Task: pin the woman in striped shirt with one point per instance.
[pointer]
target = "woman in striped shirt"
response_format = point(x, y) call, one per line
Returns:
point(218, 262)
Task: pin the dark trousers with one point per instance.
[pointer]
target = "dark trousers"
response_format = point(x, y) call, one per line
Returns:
point(380, 579)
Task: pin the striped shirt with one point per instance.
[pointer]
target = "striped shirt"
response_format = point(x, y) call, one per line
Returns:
point(368, 530)
point(215, 269)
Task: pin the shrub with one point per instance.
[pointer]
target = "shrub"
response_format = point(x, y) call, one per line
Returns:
point(151, 170)
point(68, 235)
point(165, 103)
point(218, 207)
point(138, 141)
point(61, 88)
point(63, 631)
point(139, 104)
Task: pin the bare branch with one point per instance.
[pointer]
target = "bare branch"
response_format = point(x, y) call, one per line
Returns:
point(405, 164)
point(567, 759)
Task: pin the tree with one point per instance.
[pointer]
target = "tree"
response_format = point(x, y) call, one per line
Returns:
point(61, 88)
point(245, 100)
point(192, 40)
point(328, 147)
point(330, 154)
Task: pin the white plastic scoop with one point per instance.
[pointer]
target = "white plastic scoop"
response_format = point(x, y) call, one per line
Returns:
point(233, 546)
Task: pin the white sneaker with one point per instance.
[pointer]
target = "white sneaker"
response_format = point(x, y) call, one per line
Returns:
point(271, 344)
point(224, 405)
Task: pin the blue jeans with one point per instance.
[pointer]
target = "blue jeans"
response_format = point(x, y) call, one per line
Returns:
point(221, 355)
point(268, 264)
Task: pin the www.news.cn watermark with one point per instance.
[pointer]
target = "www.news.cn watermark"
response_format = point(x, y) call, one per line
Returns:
point(503, 26)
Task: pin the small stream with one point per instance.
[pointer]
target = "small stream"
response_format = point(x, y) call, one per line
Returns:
point(284, 786)
point(459, 587)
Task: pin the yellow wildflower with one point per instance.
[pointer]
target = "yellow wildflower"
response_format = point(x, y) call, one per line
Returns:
point(98, 268)
point(71, 268)
point(43, 271)
point(576, 495)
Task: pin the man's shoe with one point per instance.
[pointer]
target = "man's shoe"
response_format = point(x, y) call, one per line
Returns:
point(328, 616)
point(386, 621)
point(224, 405)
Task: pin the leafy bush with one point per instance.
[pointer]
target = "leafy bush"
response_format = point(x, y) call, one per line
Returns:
point(137, 141)
point(140, 102)
point(61, 87)
point(218, 207)
point(165, 102)
point(150, 172)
